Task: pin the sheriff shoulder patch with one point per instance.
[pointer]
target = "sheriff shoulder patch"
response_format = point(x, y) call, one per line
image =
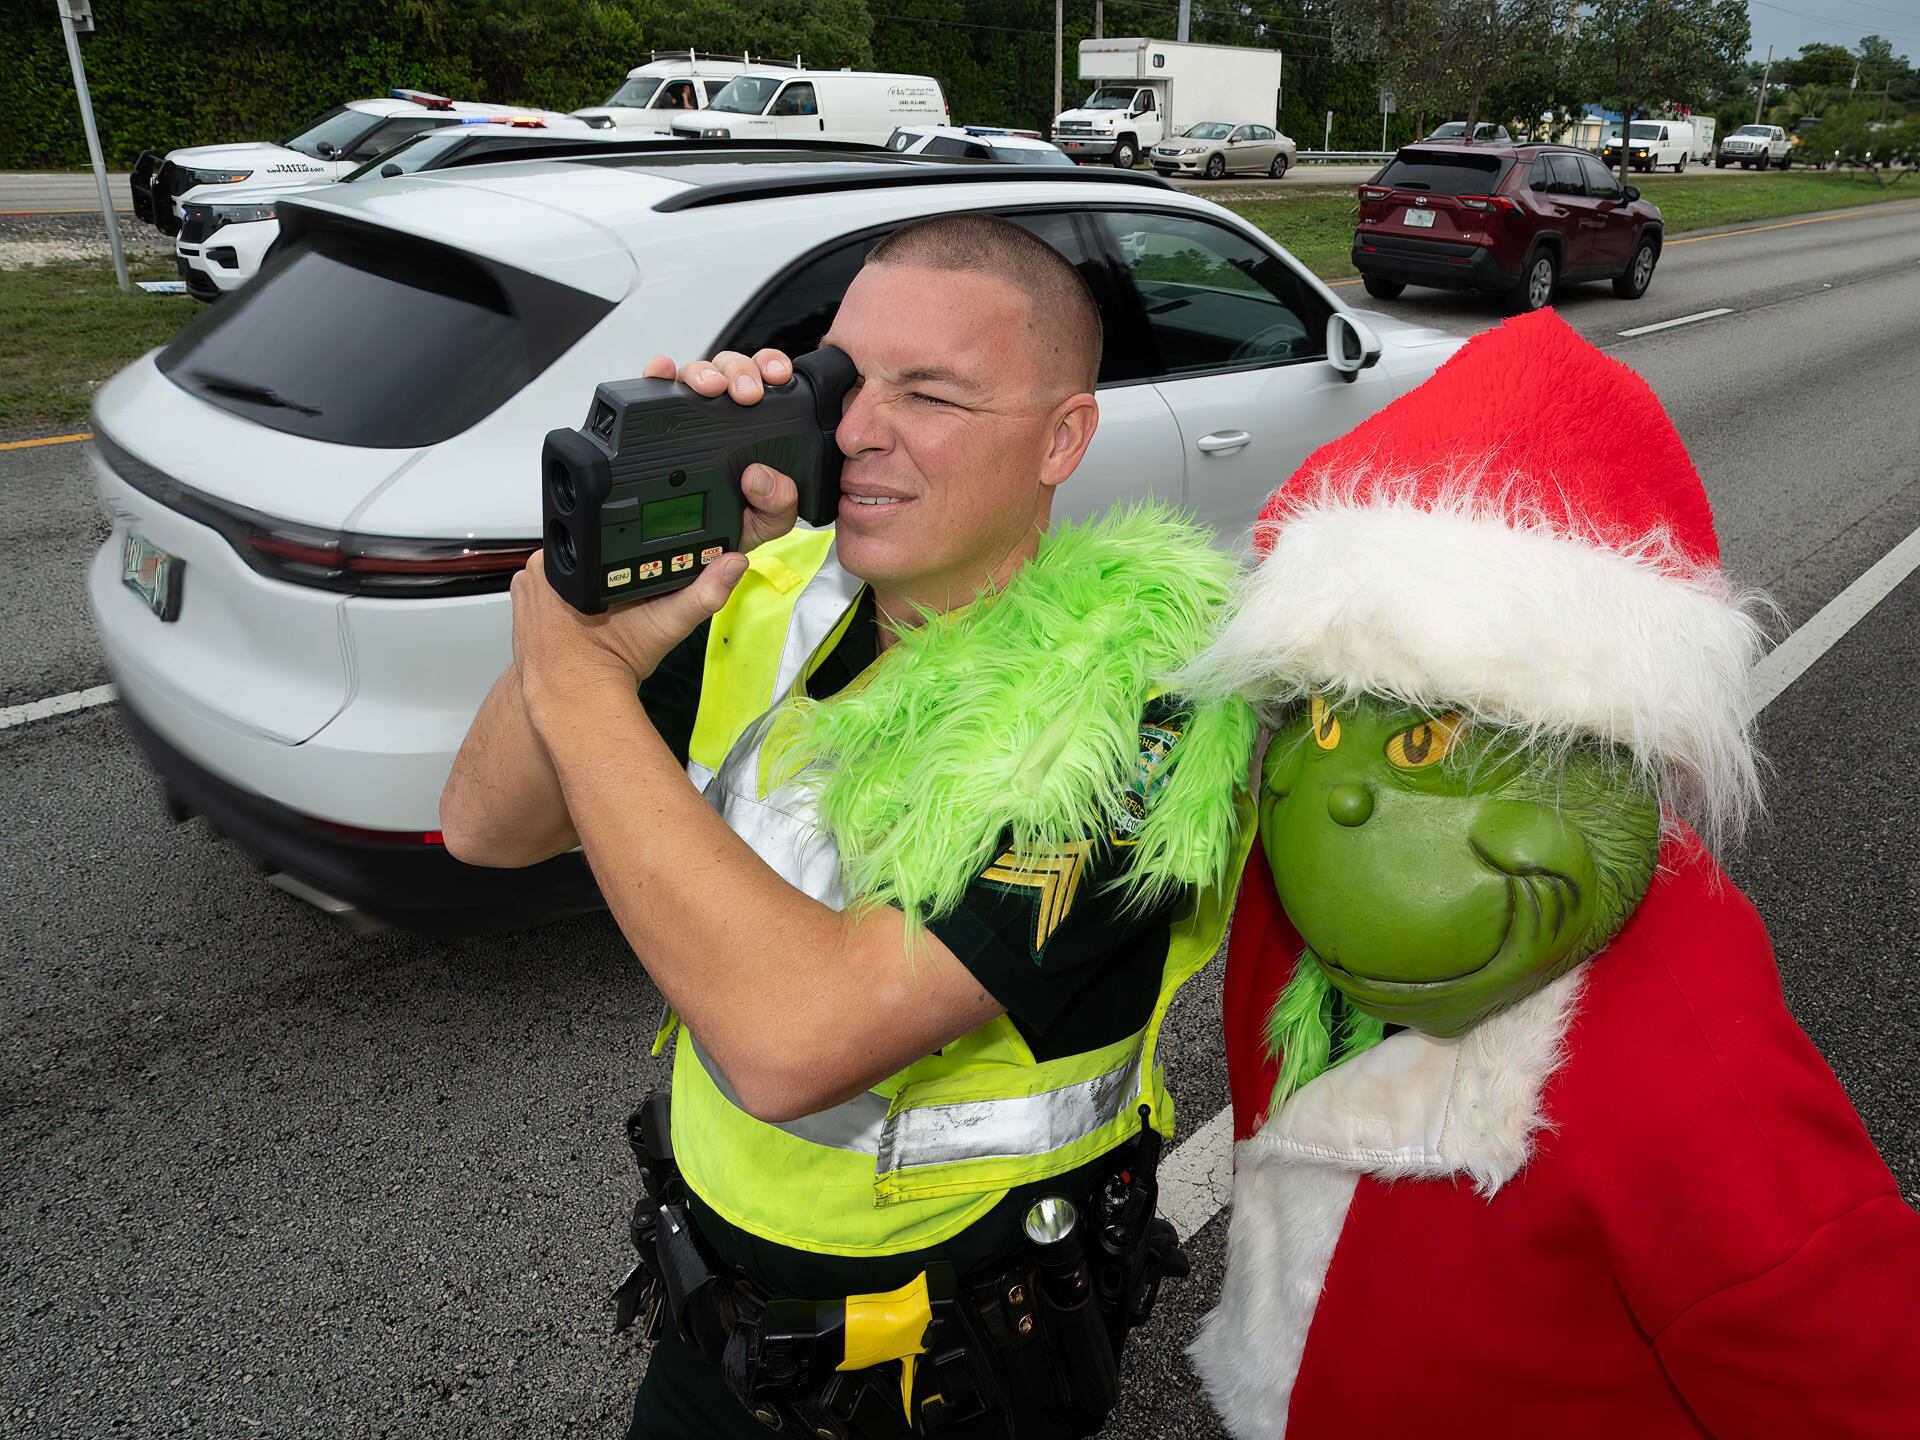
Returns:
point(1157, 739)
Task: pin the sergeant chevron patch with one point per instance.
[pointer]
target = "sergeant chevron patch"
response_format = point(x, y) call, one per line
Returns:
point(1054, 873)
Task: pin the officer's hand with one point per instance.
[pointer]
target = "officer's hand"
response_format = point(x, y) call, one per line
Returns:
point(562, 656)
point(773, 500)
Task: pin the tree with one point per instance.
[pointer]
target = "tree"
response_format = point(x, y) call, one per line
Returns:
point(1637, 54)
point(1855, 135)
point(1817, 64)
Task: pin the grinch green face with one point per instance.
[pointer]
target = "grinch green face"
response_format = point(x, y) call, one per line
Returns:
point(1437, 874)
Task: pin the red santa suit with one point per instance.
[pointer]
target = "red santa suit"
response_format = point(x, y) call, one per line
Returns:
point(1636, 1203)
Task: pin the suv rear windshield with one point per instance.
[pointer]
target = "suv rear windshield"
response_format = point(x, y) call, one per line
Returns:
point(365, 339)
point(1444, 172)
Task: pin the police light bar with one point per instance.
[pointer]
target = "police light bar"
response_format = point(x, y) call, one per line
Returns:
point(421, 97)
point(527, 122)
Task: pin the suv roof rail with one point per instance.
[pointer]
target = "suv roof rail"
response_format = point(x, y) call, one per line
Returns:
point(686, 145)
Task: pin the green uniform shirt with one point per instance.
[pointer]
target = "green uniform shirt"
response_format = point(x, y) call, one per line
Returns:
point(1074, 967)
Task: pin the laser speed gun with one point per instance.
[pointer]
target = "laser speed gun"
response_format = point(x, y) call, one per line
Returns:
point(646, 494)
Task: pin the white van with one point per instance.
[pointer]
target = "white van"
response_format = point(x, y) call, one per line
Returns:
point(1653, 143)
point(860, 105)
point(659, 92)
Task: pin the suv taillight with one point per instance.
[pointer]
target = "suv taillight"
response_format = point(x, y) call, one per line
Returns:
point(1487, 202)
point(1374, 192)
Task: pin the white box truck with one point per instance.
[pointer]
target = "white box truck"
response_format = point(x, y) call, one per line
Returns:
point(1147, 90)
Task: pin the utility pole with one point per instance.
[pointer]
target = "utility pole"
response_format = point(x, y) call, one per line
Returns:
point(1099, 19)
point(1759, 104)
point(81, 11)
point(1059, 39)
point(1186, 18)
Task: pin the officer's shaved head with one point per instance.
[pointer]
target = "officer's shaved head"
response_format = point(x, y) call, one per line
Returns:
point(1065, 321)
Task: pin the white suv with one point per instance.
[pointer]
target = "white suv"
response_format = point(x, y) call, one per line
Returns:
point(225, 234)
point(341, 140)
point(321, 489)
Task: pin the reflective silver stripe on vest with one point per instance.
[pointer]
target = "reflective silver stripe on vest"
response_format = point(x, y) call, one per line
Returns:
point(1011, 1129)
point(854, 1125)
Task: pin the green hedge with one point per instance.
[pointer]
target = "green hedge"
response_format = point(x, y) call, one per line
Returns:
point(166, 73)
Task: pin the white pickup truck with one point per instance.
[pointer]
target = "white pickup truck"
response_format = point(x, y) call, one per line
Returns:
point(1755, 147)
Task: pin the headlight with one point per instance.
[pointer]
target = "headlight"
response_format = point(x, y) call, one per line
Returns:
point(241, 214)
point(717, 132)
point(215, 177)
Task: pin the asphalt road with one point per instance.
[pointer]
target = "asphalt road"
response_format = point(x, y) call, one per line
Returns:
point(266, 1176)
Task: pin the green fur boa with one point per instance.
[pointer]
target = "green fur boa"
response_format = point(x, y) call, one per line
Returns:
point(1021, 713)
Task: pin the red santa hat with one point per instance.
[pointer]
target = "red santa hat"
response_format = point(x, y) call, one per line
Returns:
point(1524, 540)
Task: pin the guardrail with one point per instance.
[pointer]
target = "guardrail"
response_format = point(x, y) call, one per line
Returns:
point(1344, 157)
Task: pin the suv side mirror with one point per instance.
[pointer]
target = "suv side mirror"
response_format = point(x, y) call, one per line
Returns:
point(390, 169)
point(1351, 345)
point(1632, 193)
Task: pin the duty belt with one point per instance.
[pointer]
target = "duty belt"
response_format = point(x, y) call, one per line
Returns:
point(941, 1355)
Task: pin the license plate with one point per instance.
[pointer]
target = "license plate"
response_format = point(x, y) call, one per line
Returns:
point(153, 575)
point(1420, 219)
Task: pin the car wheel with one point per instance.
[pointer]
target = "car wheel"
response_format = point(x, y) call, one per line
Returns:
point(1382, 289)
point(1719, 162)
point(1535, 290)
point(1786, 162)
point(1633, 282)
point(1124, 155)
point(1278, 170)
point(1216, 166)
point(1680, 166)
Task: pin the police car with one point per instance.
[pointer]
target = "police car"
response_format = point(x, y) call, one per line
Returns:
point(337, 142)
point(321, 490)
point(225, 233)
point(977, 142)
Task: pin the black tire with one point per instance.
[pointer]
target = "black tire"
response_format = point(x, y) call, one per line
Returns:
point(1216, 166)
point(1382, 289)
point(1786, 162)
point(1680, 166)
point(1632, 282)
point(1126, 154)
point(1537, 279)
point(1278, 170)
point(1719, 162)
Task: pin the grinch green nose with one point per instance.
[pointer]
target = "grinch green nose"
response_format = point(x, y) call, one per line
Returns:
point(1350, 805)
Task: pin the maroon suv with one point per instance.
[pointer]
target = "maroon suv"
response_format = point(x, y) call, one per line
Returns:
point(1512, 220)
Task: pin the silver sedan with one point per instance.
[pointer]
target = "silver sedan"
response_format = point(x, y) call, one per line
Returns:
point(1215, 149)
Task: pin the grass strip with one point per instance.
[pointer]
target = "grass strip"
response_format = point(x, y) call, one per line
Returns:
point(65, 327)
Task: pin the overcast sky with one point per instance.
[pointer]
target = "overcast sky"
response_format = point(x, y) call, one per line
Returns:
point(1788, 24)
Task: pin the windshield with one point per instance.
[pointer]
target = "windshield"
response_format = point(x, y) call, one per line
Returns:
point(339, 127)
point(1209, 130)
point(1647, 132)
point(1450, 130)
point(410, 154)
point(746, 95)
point(1752, 130)
point(1110, 97)
point(636, 92)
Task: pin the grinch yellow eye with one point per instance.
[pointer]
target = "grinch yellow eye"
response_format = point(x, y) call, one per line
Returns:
point(1326, 729)
point(1424, 744)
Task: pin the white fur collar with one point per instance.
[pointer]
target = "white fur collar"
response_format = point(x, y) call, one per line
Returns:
point(1413, 1107)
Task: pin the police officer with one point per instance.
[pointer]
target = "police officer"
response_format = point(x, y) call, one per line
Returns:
point(899, 821)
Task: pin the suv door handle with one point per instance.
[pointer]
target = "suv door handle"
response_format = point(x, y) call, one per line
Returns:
point(1224, 442)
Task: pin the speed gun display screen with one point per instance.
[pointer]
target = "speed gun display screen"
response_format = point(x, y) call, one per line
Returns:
point(676, 516)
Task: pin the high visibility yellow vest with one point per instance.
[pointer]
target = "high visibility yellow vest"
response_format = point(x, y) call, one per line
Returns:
point(930, 1150)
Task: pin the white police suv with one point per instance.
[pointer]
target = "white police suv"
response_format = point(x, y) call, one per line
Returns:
point(977, 142)
point(320, 490)
point(225, 233)
point(337, 142)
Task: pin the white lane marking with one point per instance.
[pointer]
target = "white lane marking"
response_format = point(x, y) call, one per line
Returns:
point(1196, 1182)
point(1669, 324)
point(46, 709)
point(1196, 1179)
point(1795, 655)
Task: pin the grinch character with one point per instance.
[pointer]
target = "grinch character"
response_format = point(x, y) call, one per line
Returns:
point(1529, 1143)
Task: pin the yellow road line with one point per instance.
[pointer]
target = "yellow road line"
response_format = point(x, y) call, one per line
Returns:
point(50, 440)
